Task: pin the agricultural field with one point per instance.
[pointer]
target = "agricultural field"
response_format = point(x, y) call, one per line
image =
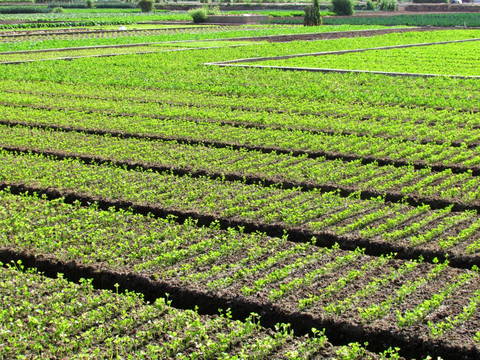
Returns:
point(180, 200)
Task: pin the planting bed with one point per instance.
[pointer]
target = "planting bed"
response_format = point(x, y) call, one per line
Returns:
point(328, 201)
point(206, 32)
point(17, 57)
point(67, 315)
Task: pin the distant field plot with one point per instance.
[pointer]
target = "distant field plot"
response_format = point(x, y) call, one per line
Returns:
point(84, 17)
point(444, 59)
point(111, 50)
point(70, 38)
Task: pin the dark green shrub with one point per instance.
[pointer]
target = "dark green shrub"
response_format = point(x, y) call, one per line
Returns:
point(387, 5)
point(146, 5)
point(343, 7)
point(312, 15)
point(89, 4)
point(198, 15)
point(65, 5)
point(430, 1)
point(370, 5)
point(57, 10)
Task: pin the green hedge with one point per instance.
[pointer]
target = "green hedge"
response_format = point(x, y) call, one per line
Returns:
point(99, 5)
point(24, 9)
point(68, 5)
point(430, 1)
point(115, 5)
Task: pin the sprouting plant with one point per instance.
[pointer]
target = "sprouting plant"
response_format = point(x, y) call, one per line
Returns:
point(352, 351)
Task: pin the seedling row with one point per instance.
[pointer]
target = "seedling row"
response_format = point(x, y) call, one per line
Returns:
point(386, 151)
point(285, 170)
point(418, 125)
point(331, 217)
point(367, 89)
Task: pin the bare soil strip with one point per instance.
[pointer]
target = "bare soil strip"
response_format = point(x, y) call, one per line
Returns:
point(338, 34)
point(271, 38)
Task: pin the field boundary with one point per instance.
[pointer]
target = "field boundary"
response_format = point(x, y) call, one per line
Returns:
point(254, 38)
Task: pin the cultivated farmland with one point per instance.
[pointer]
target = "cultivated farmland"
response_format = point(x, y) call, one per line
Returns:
point(327, 214)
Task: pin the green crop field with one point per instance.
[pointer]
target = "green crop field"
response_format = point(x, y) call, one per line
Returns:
point(457, 58)
point(175, 193)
